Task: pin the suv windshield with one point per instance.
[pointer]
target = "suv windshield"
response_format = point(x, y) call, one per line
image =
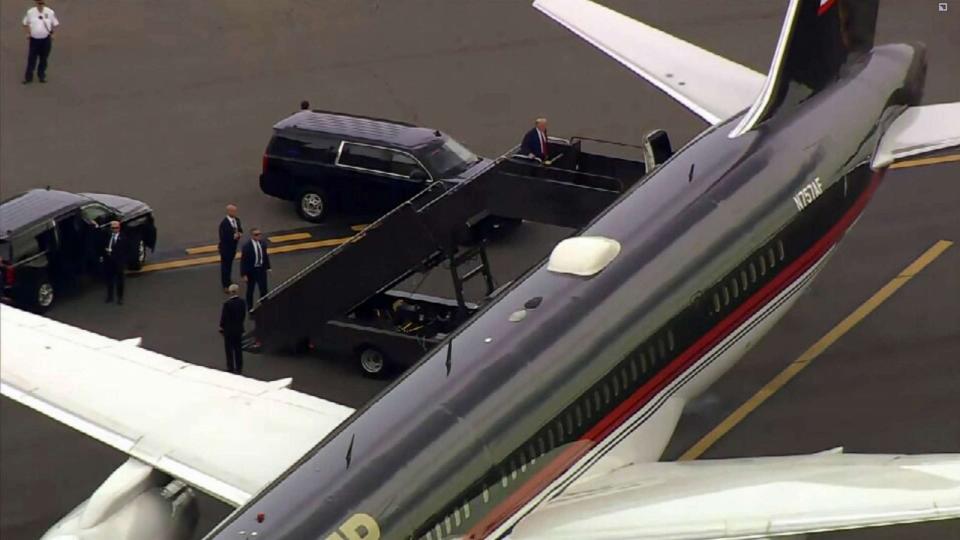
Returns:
point(449, 159)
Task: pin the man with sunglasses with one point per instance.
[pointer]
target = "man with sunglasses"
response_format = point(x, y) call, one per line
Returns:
point(254, 265)
point(116, 255)
point(39, 23)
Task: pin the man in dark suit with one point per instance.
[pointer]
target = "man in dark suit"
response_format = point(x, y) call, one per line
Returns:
point(232, 315)
point(535, 143)
point(254, 265)
point(230, 232)
point(115, 256)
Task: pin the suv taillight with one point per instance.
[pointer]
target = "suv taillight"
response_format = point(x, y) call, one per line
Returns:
point(266, 162)
point(9, 275)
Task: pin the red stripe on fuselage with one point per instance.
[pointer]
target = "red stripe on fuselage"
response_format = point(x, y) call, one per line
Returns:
point(825, 7)
point(673, 370)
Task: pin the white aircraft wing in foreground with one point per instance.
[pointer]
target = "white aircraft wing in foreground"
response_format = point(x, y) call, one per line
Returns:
point(708, 84)
point(224, 434)
point(751, 498)
point(919, 130)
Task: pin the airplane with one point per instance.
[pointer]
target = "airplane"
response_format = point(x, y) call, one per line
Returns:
point(546, 415)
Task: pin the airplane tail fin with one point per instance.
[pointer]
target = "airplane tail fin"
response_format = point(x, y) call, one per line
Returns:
point(818, 38)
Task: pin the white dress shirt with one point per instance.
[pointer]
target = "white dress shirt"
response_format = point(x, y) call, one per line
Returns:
point(257, 254)
point(41, 23)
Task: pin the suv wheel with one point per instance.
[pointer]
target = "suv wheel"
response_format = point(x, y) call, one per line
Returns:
point(312, 205)
point(43, 296)
point(140, 256)
point(373, 363)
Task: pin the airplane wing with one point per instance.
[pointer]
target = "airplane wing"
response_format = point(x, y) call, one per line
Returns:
point(751, 498)
point(919, 130)
point(709, 85)
point(224, 434)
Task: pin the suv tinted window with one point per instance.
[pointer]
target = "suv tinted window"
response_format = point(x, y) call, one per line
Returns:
point(321, 149)
point(404, 165)
point(25, 245)
point(366, 157)
point(96, 214)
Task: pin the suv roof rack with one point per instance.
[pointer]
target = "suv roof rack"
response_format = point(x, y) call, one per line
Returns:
point(364, 117)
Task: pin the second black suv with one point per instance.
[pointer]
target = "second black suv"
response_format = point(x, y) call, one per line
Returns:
point(329, 162)
point(50, 238)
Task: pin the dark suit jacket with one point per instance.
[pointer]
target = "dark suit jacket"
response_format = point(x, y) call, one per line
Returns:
point(120, 255)
point(227, 243)
point(248, 258)
point(232, 315)
point(531, 145)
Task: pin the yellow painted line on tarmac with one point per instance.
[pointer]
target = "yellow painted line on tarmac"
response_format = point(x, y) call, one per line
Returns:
point(180, 263)
point(210, 259)
point(201, 249)
point(815, 350)
point(290, 237)
point(212, 248)
point(358, 228)
point(926, 161)
point(302, 246)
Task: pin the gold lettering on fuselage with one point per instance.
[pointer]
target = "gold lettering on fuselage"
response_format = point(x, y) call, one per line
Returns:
point(809, 192)
point(357, 527)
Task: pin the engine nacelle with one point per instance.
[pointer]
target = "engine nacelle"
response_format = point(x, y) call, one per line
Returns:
point(136, 502)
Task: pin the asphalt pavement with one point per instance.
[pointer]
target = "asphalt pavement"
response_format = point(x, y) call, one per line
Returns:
point(172, 102)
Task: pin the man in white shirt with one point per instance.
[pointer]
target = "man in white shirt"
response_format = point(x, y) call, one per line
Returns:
point(39, 23)
point(230, 231)
point(115, 256)
point(254, 265)
point(535, 143)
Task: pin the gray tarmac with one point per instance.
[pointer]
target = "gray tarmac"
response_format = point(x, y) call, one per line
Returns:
point(172, 102)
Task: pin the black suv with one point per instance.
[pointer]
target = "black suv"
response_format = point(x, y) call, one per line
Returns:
point(329, 162)
point(49, 238)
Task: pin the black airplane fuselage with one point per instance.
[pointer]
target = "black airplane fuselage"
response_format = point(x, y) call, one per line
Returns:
point(504, 414)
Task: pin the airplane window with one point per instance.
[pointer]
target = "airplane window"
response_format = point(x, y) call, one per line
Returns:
point(614, 385)
point(661, 348)
point(763, 265)
point(606, 395)
point(579, 415)
point(643, 362)
point(623, 377)
point(569, 422)
point(716, 303)
point(652, 354)
point(734, 287)
point(771, 259)
point(743, 280)
point(753, 272)
point(725, 294)
point(633, 369)
point(780, 250)
point(596, 399)
point(551, 441)
point(670, 341)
